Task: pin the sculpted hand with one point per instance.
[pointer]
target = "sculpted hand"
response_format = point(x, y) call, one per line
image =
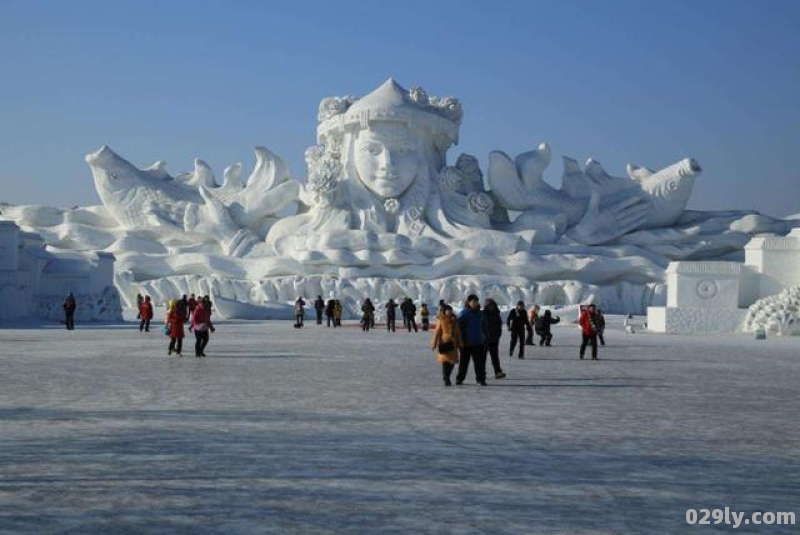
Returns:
point(603, 225)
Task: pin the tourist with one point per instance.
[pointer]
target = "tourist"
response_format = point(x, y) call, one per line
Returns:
point(543, 324)
point(410, 313)
point(146, 314)
point(183, 304)
point(208, 305)
point(391, 315)
point(601, 327)
point(299, 312)
point(367, 315)
point(174, 322)
point(319, 308)
point(424, 313)
point(337, 313)
point(191, 303)
point(533, 314)
point(470, 321)
point(588, 323)
point(439, 310)
point(69, 306)
point(329, 309)
point(201, 325)
point(446, 342)
point(492, 331)
point(518, 324)
point(404, 312)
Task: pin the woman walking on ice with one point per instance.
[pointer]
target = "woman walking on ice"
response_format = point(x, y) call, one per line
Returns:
point(175, 321)
point(201, 325)
point(446, 342)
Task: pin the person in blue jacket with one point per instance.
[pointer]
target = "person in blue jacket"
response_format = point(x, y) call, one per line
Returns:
point(470, 320)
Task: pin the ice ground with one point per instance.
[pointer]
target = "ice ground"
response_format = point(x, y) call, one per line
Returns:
point(338, 431)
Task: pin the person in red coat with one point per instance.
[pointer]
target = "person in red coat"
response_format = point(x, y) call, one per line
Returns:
point(589, 322)
point(175, 320)
point(146, 314)
point(201, 325)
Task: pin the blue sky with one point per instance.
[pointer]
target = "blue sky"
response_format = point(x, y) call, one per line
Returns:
point(647, 82)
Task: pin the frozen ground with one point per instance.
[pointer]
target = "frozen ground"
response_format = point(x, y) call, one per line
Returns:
point(337, 431)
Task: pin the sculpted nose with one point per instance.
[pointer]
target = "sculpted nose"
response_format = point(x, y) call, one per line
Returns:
point(387, 162)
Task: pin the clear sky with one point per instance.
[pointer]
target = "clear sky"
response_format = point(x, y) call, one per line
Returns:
point(647, 82)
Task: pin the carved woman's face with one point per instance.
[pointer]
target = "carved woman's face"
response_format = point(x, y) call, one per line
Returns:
point(387, 158)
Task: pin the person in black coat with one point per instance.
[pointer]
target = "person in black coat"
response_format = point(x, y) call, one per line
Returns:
point(410, 310)
point(367, 315)
point(319, 308)
point(391, 315)
point(299, 312)
point(543, 324)
point(518, 323)
point(329, 312)
point(69, 306)
point(492, 325)
point(601, 327)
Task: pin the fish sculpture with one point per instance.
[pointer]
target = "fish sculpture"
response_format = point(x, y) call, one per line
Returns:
point(598, 207)
point(144, 198)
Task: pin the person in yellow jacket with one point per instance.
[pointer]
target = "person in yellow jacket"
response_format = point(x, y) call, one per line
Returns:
point(447, 342)
point(337, 313)
point(425, 314)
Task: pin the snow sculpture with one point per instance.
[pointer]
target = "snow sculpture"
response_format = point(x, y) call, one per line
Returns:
point(597, 206)
point(702, 297)
point(773, 264)
point(34, 280)
point(382, 214)
point(233, 214)
point(380, 166)
point(377, 169)
point(778, 313)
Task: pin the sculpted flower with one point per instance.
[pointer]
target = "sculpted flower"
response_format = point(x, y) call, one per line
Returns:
point(451, 108)
point(479, 203)
point(331, 106)
point(469, 166)
point(419, 95)
point(313, 156)
point(391, 206)
point(323, 173)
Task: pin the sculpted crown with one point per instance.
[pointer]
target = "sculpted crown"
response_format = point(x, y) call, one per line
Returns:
point(390, 102)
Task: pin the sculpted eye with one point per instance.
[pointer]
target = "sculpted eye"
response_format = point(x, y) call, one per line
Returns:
point(114, 175)
point(373, 148)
